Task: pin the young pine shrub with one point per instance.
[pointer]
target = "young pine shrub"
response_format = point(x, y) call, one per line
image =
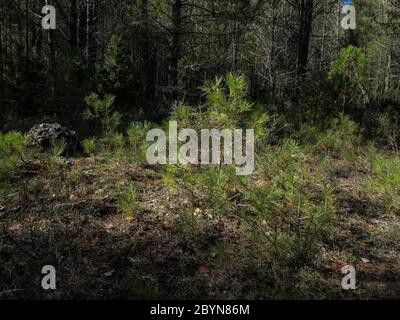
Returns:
point(186, 116)
point(349, 79)
point(115, 142)
point(12, 151)
point(215, 189)
point(341, 139)
point(292, 215)
point(210, 187)
point(137, 132)
point(90, 146)
point(101, 110)
point(385, 181)
point(55, 153)
point(128, 202)
point(226, 102)
point(386, 130)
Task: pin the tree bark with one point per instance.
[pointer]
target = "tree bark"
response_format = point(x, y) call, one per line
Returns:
point(73, 25)
point(175, 48)
point(306, 10)
point(149, 63)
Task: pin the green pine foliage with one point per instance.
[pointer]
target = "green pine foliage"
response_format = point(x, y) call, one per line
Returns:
point(384, 182)
point(12, 152)
point(101, 110)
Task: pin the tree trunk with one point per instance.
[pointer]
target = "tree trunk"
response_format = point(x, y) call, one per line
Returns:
point(175, 48)
point(303, 44)
point(149, 63)
point(73, 25)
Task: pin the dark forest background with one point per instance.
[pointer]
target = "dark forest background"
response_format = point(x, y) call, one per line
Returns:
point(150, 53)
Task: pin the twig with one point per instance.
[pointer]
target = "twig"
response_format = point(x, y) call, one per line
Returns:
point(11, 291)
point(33, 256)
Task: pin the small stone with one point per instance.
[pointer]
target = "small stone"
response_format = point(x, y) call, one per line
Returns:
point(364, 260)
point(73, 198)
point(109, 274)
point(65, 161)
point(376, 221)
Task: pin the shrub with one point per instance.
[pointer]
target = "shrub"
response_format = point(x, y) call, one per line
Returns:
point(226, 107)
point(12, 151)
point(89, 146)
point(101, 110)
point(386, 129)
point(56, 151)
point(128, 201)
point(137, 132)
point(209, 186)
point(115, 141)
point(227, 104)
point(292, 216)
point(11, 143)
point(341, 139)
point(385, 181)
point(186, 116)
point(348, 77)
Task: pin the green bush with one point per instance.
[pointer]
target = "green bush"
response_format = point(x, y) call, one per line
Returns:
point(101, 110)
point(11, 143)
point(115, 141)
point(385, 181)
point(128, 201)
point(341, 139)
point(226, 107)
point(186, 116)
point(55, 153)
point(349, 78)
point(385, 129)
point(12, 151)
point(89, 146)
point(137, 132)
point(292, 216)
point(210, 187)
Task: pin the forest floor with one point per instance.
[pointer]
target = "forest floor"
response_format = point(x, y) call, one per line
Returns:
point(67, 215)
